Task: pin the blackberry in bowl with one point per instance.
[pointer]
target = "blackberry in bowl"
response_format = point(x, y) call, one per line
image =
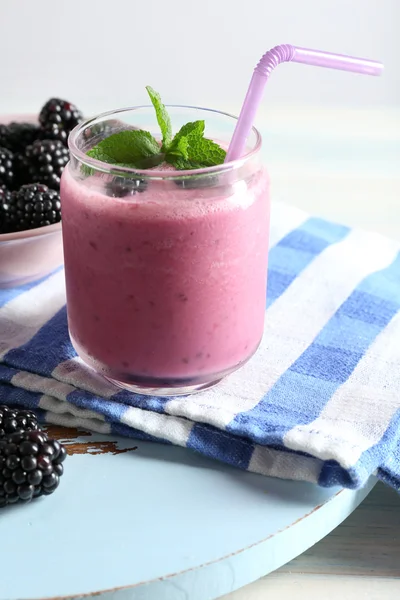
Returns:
point(29, 254)
point(32, 206)
point(33, 154)
point(30, 234)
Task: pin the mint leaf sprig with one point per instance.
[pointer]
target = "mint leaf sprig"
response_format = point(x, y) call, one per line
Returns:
point(163, 118)
point(136, 148)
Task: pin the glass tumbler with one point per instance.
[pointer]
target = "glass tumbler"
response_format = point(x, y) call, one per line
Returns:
point(165, 270)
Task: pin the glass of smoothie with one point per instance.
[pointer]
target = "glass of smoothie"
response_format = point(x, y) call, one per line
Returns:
point(166, 270)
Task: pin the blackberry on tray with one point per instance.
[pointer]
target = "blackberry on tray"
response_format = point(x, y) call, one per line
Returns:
point(45, 162)
point(32, 206)
point(30, 466)
point(13, 420)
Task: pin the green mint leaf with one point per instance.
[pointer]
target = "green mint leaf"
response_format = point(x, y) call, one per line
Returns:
point(162, 115)
point(200, 153)
point(126, 148)
point(179, 149)
point(192, 130)
point(135, 148)
point(206, 152)
point(191, 150)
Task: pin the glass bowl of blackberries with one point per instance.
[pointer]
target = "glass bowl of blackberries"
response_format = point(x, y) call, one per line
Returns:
point(33, 155)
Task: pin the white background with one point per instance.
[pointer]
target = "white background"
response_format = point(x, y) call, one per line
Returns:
point(100, 54)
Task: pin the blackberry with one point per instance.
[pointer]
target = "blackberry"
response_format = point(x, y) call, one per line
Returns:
point(46, 160)
point(30, 466)
point(6, 167)
point(32, 206)
point(54, 131)
point(197, 182)
point(61, 113)
point(16, 136)
point(5, 197)
point(14, 420)
point(21, 170)
point(120, 187)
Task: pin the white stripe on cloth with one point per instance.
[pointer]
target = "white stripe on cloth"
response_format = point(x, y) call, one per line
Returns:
point(284, 465)
point(22, 317)
point(350, 428)
point(53, 405)
point(175, 430)
point(68, 420)
point(54, 390)
point(54, 396)
point(44, 385)
point(292, 323)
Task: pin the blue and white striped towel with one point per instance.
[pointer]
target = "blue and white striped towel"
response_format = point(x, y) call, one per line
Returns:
point(320, 400)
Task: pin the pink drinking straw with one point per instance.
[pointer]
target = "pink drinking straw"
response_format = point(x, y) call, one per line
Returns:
point(272, 58)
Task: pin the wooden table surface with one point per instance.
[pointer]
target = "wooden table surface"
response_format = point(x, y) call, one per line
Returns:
point(359, 560)
point(342, 165)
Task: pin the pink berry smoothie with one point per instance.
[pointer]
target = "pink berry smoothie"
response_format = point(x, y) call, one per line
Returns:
point(165, 287)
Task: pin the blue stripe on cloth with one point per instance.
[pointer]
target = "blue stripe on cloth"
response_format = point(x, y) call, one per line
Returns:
point(389, 478)
point(41, 414)
point(333, 474)
point(297, 250)
point(385, 455)
point(303, 390)
point(277, 284)
point(216, 444)
point(387, 282)
point(334, 365)
point(343, 331)
point(369, 308)
point(6, 374)
point(318, 228)
point(8, 294)
point(126, 431)
point(15, 396)
point(153, 403)
point(114, 408)
point(383, 458)
point(46, 350)
point(111, 410)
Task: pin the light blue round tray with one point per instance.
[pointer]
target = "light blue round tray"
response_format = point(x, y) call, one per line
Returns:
point(143, 521)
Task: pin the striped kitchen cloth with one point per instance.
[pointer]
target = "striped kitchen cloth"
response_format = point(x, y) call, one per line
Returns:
point(318, 402)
